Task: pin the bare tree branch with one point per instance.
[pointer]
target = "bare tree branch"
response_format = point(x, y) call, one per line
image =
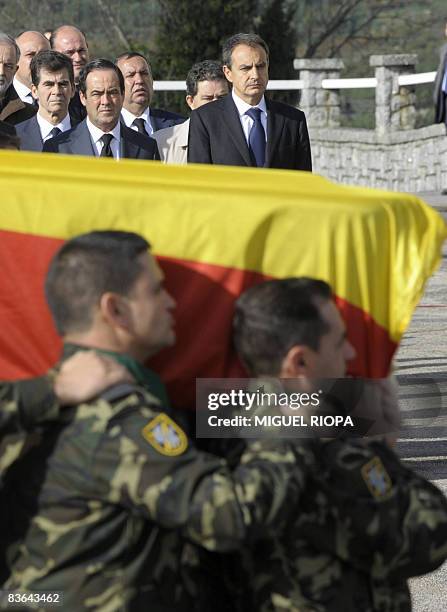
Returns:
point(108, 15)
point(334, 23)
point(361, 26)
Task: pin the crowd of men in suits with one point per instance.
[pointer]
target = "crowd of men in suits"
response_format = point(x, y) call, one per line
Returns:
point(60, 101)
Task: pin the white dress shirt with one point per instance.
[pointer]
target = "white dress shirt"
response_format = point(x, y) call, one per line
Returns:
point(23, 91)
point(46, 127)
point(246, 121)
point(129, 118)
point(96, 134)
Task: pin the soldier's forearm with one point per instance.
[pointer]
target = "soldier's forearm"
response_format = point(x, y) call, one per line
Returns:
point(255, 500)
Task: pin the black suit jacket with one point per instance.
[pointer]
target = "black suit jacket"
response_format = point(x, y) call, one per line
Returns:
point(77, 141)
point(162, 119)
point(13, 110)
point(216, 136)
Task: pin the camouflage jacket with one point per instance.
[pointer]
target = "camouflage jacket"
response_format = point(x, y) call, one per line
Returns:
point(104, 502)
point(364, 524)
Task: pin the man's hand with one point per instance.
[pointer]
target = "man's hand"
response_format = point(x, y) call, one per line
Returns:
point(86, 374)
point(381, 404)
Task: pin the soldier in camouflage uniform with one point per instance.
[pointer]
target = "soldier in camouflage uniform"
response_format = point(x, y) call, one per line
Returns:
point(27, 404)
point(104, 502)
point(364, 522)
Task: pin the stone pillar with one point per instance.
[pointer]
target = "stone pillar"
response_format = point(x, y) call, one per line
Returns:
point(395, 106)
point(321, 106)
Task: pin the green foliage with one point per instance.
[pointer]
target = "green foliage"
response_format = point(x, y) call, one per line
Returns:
point(278, 29)
point(190, 31)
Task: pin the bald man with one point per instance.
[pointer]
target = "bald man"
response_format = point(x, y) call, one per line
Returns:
point(72, 42)
point(29, 44)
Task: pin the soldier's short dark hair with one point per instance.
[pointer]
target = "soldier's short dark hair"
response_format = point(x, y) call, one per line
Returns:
point(251, 40)
point(50, 60)
point(9, 141)
point(208, 70)
point(85, 268)
point(8, 136)
point(272, 317)
point(99, 64)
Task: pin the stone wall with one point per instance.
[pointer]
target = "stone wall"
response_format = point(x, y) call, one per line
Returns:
point(393, 156)
point(410, 160)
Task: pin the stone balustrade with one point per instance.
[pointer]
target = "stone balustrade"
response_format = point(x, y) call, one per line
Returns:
point(394, 155)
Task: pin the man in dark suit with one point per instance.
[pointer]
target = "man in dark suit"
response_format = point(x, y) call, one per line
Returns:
point(53, 86)
point(101, 134)
point(12, 109)
point(244, 128)
point(72, 42)
point(440, 89)
point(139, 88)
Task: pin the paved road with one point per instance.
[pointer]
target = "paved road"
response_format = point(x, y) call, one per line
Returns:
point(422, 374)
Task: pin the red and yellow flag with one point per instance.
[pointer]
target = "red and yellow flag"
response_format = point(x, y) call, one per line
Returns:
point(216, 231)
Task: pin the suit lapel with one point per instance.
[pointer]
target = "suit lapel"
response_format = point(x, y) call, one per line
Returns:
point(81, 143)
point(275, 126)
point(156, 122)
point(35, 136)
point(128, 149)
point(231, 118)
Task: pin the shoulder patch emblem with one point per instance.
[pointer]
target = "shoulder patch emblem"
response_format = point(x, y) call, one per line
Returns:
point(165, 436)
point(376, 478)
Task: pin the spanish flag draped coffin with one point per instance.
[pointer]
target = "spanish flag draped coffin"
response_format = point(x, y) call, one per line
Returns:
point(216, 231)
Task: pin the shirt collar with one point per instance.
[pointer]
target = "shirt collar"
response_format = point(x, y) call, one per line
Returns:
point(96, 133)
point(22, 90)
point(46, 127)
point(129, 117)
point(243, 107)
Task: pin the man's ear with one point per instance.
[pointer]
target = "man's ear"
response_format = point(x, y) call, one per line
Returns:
point(227, 73)
point(82, 98)
point(190, 101)
point(115, 310)
point(296, 362)
point(34, 92)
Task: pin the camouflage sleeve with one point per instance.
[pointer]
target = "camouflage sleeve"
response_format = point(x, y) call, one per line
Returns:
point(422, 528)
point(26, 403)
point(150, 466)
point(365, 507)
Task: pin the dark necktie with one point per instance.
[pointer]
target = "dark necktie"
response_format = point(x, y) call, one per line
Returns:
point(106, 150)
point(54, 132)
point(256, 138)
point(139, 123)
